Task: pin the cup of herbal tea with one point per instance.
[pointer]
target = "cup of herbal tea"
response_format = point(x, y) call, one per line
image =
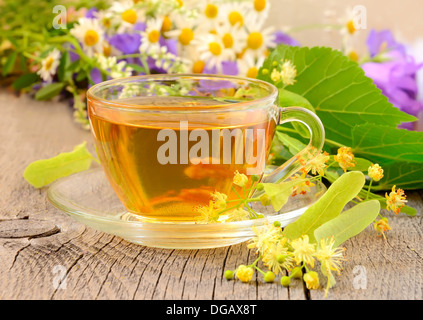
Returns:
point(166, 142)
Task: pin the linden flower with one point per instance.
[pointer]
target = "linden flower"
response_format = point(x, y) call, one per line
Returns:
point(382, 226)
point(272, 254)
point(395, 200)
point(264, 236)
point(249, 66)
point(259, 39)
point(208, 214)
point(49, 65)
point(244, 273)
point(151, 36)
point(304, 251)
point(345, 158)
point(219, 200)
point(90, 34)
point(318, 164)
point(288, 73)
point(302, 187)
point(329, 257)
point(375, 172)
point(238, 215)
point(311, 280)
point(240, 179)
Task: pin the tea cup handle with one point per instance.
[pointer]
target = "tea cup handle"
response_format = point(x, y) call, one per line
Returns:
point(317, 139)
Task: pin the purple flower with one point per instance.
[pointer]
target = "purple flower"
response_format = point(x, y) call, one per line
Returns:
point(126, 43)
point(96, 76)
point(283, 38)
point(90, 13)
point(395, 77)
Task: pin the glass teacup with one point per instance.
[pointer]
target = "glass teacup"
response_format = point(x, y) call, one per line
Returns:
point(166, 142)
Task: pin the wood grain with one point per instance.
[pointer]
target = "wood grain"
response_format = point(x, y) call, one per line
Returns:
point(44, 254)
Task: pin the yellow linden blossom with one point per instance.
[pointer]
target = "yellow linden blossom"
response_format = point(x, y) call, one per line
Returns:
point(238, 215)
point(288, 72)
point(375, 172)
point(219, 200)
point(275, 75)
point(264, 237)
point(382, 226)
point(311, 280)
point(208, 214)
point(329, 257)
point(303, 187)
point(240, 179)
point(304, 251)
point(272, 254)
point(345, 158)
point(318, 164)
point(395, 200)
point(244, 273)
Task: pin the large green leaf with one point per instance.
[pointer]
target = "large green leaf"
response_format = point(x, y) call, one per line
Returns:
point(349, 223)
point(385, 144)
point(338, 89)
point(404, 175)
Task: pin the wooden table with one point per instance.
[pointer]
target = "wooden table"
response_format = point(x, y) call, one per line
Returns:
point(39, 244)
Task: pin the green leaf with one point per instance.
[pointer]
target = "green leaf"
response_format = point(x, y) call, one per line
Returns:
point(294, 146)
point(136, 67)
point(279, 193)
point(338, 89)
point(385, 144)
point(328, 206)
point(63, 71)
point(49, 91)
point(349, 223)
point(25, 81)
point(42, 172)
point(402, 174)
point(10, 63)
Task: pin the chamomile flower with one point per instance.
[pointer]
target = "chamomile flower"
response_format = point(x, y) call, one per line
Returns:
point(261, 7)
point(232, 37)
point(126, 15)
point(249, 66)
point(259, 39)
point(234, 13)
point(211, 13)
point(90, 34)
point(212, 50)
point(151, 36)
point(185, 32)
point(105, 17)
point(49, 65)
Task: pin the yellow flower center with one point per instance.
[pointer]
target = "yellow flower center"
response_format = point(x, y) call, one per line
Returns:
point(252, 72)
point(198, 66)
point(211, 11)
point(255, 40)
point(48, 63)
point(129, 16)
point(215, 48)
point(167, 24)
point(107, 49)
point(153, 36)
point(228, 40)
point(350, 27)
point(180, 2)
point(91, 38)
point(235, 17)
point(186, 36)
point(259, 5)
point(107, 23)
point(353, 55)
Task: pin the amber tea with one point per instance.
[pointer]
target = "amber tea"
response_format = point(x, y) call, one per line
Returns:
point(163, 169)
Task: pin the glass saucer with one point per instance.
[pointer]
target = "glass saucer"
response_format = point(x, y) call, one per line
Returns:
point(88, 197)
